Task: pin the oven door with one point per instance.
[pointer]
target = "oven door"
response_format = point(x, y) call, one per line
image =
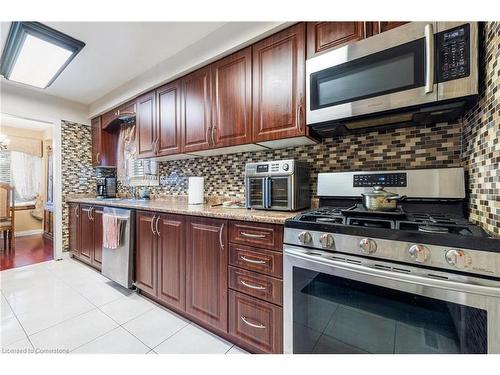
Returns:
point(280, 193)
point(342, 304)
point(391, 70)
point(256, 192)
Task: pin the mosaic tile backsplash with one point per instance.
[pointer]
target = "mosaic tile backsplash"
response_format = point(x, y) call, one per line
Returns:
point(481, 138)
point(78, 175)
point(411, 147)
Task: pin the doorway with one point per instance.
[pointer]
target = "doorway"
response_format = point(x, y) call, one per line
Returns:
point(28, 163)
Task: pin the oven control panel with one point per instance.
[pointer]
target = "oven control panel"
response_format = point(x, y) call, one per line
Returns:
point(380, 179)
point(453, 53)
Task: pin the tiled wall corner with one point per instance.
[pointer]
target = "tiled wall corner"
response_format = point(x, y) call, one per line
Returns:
point(481, 137)
point(78, 175)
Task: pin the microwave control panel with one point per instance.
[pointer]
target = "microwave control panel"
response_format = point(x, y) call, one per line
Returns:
point(453, 53)
point(380, 179)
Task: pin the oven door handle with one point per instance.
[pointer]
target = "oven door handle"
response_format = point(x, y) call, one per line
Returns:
point(394, 276)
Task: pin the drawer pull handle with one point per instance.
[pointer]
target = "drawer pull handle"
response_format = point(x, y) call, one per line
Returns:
point(252, 260)
point(245, 320)
point(251, 235)
point(258, 287)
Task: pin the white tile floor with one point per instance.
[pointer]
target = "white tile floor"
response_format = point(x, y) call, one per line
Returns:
point(69, 307)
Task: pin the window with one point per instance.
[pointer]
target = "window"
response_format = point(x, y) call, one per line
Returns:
point(24, 172)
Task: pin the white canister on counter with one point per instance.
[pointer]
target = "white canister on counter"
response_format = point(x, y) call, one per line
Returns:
point(195, 190)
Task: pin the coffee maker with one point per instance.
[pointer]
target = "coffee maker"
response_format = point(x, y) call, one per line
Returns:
point(106, 187)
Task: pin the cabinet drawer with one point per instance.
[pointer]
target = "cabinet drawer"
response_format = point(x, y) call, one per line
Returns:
point(260, 260)
point(258, 323)
point(256, 234)
point(257, 285)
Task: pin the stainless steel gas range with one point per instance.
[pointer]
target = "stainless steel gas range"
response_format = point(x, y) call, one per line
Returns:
point(419, 279)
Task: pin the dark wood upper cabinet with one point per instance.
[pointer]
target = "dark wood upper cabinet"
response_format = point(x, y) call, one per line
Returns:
point(74, 228)
point(146, 267)
point(206, 271)
point(104, 145)
point(232, 99)
point(172, 261)
point(377, 27)
point(168, 99)
point(324, 36)
point(145, 131)
point(279, 85)
point(196, 113)
point(108, 119)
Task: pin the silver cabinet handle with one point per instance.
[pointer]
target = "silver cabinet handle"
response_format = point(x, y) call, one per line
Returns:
point(76, 211)
point(258, 287)
point(92, 210)
point(220, 236)
point(251, 235)
point(213, 135)
point(88, 213)
point(242, 257)
point(429, 58)
point(245, 320)
point(209, 129)
point(152, 223)
point(156, 226)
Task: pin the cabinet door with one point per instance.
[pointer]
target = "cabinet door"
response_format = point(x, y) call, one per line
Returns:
point(206, 271)
point(86, 233)
point(74, 229)
point(146, 126)
point(377, 27)
point(324, 36)
point(196, 117)
point(168, 99)
point(96, 215)
point(232, 99)
point(279, 85)
point(172, 261)
point(146, 253)
point(95, 125)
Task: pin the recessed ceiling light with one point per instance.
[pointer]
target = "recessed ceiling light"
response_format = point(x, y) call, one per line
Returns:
point(36, 54)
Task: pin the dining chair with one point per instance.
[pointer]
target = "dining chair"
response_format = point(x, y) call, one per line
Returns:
point(7, 215)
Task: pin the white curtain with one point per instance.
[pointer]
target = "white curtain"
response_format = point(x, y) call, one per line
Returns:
point(26, 175)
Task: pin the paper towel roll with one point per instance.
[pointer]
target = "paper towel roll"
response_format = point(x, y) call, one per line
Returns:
point(195, 190)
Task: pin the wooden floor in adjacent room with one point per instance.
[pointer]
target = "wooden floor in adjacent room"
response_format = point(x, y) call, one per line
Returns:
point(28, 250)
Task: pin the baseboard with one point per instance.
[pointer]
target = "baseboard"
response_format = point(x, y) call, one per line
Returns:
point(25, 233)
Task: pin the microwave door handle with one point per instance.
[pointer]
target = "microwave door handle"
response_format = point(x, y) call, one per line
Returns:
point(264, 192)
point(429, 58)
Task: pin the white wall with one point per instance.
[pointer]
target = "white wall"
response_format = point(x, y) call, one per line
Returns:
point(228, 38)
point(25, 103)
point(22, 102)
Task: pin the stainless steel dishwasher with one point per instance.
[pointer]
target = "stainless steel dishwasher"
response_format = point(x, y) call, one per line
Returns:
point(118, 262)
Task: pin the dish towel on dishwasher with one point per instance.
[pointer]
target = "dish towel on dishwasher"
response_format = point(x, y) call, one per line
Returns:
point(112, 230)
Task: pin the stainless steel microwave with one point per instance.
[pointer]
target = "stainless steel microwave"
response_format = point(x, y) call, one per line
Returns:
point(281, 185)
point(420, 72)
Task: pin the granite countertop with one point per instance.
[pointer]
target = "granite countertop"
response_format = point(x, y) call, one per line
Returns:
point(178, 205)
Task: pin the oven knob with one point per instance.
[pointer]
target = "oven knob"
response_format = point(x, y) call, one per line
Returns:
point(305, 237)
point(286, 167)
point(367, 246)
point(458, 258)
point(326, 240)
point(419, 253)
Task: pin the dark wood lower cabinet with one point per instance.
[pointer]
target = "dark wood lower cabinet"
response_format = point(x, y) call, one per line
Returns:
point(146, 253)
point(206, 271)
point(90, 235)
point(74, 229)
point(172, 261)
point(86, 234)
point(256, 323)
